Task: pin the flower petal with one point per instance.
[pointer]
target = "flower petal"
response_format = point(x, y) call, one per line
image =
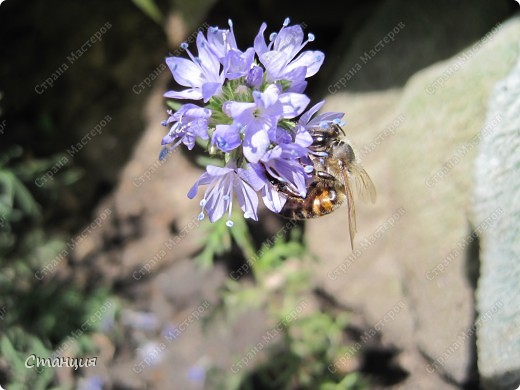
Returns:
point(191, 94)
point(247, 199)
point(189, 141)
point(205, 178)
point(254, 175)
point(226, 137)
point(199, 128)
point(273, 199)
point(195, 111)
point(325, 117)
point(210, 89)
point(303, 137)
point(238, 64)
point(298, 87)
point(256, 142)
point(274, 63)
point(293, 103)
point(267, 98)
point(218, 171)
point(289, 40)
point(221, 41)
point(259, 43)
point(296, 74)
point(312, 60)
point(218, 198)
point(184, 71)
point(208, 59)
point(279, 135)
point(306, 117)
point(293, 173)
point(236, 109)
point(255, 76)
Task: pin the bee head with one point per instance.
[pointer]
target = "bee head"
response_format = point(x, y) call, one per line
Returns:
point(342, 151)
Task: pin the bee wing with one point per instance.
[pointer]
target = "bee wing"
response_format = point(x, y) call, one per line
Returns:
point(365, 187)
point(352, 228)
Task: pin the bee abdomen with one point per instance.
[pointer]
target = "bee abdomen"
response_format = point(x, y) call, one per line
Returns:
point(318, 202)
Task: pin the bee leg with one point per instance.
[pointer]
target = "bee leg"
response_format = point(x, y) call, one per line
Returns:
point(283, 188)
point(325, 175)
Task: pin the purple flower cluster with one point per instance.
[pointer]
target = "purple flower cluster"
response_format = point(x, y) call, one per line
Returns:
point(252, 115)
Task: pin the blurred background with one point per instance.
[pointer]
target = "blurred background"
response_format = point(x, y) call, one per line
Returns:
point(101, 254)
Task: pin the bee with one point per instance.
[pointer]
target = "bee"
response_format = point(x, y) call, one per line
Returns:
point(335, 167)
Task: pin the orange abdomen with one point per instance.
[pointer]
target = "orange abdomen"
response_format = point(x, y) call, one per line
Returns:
point(320, 200)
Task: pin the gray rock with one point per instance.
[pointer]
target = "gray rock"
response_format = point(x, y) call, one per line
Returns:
point(423, 169)
point(386, 50)
point(497, 204)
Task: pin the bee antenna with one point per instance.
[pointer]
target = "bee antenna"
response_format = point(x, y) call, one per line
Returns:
point(339, 128)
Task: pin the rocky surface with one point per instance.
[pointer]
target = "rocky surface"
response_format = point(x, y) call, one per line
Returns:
point(386, 51)
point(405, 260)
point(418, 144)
point(497, 216)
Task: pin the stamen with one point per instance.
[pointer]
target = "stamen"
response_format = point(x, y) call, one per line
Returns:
point(272, 36)
point(200, 217)
point(308, 169)
point(229, 223)
point(310, 38)
point(213, 29)
point(248, 214)
point(336, 121)
point(164, 152)
point(184, 45)
point(286, 22)
point(230, 208)
point(320, 154)
point(203, 202)
point(225, 40)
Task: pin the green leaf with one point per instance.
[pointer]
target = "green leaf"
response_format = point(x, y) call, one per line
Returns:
point(216, 241)
point(7, 191)
point(204, 161)
point(25, 199)
point(241, 235)
point(173, 105)
point(150, 9)
point(7, 348)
